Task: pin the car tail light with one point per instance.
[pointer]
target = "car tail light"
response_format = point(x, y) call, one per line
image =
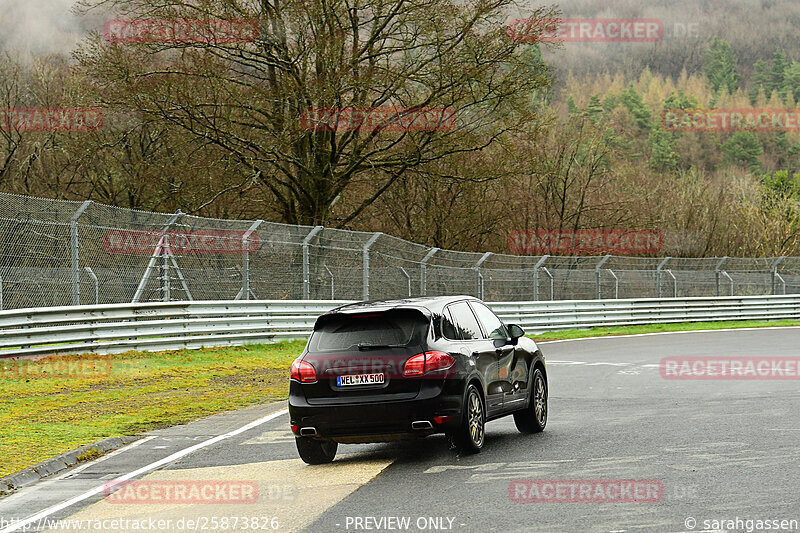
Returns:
point(294, 428)
point(415, 366)
point(303, 372)
point(438, 361)
point(428, 362)
point(441, 419)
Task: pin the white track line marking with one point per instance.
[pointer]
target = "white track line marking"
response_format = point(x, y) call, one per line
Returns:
point(152, 466)
point(662, 333)
point(589, 363)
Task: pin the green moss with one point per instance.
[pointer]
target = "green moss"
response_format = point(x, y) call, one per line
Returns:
point(89, 454)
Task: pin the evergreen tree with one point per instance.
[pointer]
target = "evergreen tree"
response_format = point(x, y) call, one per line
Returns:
point(777, 73)
point(534, 64)
point(662, 154)
point(610, 102)
point(759, 80)
point(743, 148)
point(595, 109)
point(791, 79)
point(635, 104)
point(719, 64)
point(572, 107)
point(680, 101)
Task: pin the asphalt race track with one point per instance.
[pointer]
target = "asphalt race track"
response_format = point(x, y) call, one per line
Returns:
point(720, 452)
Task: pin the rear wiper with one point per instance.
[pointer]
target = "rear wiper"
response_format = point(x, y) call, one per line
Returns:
point(363, 346)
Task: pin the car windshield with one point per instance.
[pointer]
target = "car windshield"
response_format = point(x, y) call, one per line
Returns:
point(393, 329)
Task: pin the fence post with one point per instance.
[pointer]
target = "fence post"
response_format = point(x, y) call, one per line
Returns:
point(1, 293)
point(423, 272)
point(96, 285)
point(658, 275)
point(306, 274)
point(245, 292)
point(367, 246)
point(730, 279)
point(674, 283)
point(597, 273)
point(477, 268)
point(331, 275)
point(616, 283)
point(408, 279)
point(778, 276)
point(536, 276)
point(73, 229)
point(717, 271)
point(775, 271)
point(552, 283)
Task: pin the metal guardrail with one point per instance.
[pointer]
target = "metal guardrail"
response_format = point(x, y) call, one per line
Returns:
point(538, 317)
point(114, 328)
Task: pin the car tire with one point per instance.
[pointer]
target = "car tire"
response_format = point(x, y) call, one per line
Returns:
point(533, 418)
point(316, 452)
point(470, 435)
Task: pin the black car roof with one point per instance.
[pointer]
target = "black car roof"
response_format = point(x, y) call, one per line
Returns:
point(427, 304)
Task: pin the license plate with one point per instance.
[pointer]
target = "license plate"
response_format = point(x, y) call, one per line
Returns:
point(359, 379)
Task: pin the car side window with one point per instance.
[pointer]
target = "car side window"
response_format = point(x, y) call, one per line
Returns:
point(465, 321)
point(493, 326)
point(448, 328)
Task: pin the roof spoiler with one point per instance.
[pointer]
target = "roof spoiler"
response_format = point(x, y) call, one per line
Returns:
point(366, 312)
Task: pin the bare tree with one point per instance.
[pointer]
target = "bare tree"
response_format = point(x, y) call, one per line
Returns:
point(253, 99)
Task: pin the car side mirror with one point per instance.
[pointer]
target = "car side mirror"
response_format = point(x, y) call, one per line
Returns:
point(515, 332)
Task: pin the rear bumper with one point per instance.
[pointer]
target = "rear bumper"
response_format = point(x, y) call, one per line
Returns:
point(379, 421)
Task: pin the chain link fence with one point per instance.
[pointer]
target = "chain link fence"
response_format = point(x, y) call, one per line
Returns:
point(58, 253)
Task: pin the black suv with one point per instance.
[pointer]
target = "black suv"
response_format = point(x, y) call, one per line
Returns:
point(381, 371)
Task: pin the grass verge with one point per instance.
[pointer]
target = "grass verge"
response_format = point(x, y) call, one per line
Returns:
point(53, 405)
point(657, 328)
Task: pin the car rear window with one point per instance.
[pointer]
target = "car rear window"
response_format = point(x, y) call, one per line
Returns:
point(362, 331)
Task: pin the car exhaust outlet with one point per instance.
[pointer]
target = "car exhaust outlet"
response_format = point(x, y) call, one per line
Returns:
point(308, 432)
point(419, 425)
